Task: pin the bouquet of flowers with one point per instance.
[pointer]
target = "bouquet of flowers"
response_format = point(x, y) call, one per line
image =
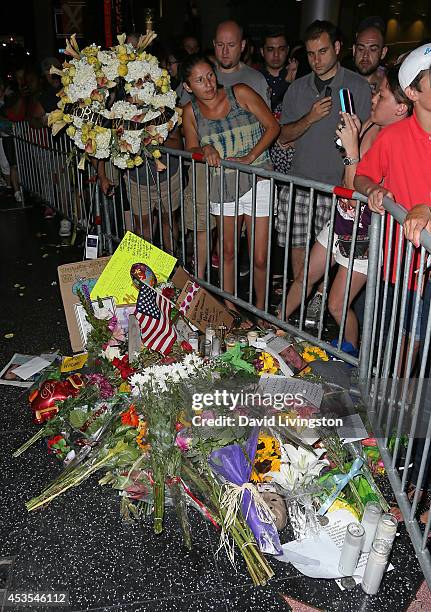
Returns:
point(116, 103)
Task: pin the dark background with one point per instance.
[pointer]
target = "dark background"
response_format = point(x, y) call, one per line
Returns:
point(37, 28)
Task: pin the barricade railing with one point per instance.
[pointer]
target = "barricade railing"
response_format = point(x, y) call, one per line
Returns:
point(173, 210)
point(394, 367)
point(49, 173)
point(144, 191)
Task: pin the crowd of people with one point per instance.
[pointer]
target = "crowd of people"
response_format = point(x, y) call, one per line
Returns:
point(273, 106)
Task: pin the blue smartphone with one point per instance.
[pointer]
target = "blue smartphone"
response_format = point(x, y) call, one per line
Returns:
point(346, 101)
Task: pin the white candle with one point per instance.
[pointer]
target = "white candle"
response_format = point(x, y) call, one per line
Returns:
point(210, 332)
point(387, 528)
point(194, 341)
point(351, 549)
point(376, 565)
point(370, 520)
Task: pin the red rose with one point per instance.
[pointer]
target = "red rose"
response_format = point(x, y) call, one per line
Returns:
point(168, 292)
point(186, 346)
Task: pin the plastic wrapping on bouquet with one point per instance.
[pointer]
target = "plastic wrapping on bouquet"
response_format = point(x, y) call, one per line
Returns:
point(235, 466)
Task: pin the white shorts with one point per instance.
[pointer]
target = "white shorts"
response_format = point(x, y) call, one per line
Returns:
point(245, 202)
point(359, 265)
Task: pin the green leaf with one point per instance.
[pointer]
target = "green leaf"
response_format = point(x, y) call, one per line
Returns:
point(77, 418)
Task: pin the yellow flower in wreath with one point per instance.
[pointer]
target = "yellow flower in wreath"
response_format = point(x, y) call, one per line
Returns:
point(122, 70)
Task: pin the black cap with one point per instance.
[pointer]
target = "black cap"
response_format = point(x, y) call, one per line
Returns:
point(372, 22)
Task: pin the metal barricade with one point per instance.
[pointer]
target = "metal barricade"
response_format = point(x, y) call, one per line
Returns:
point(176, 215)
point(49, 174)
point(394, 367)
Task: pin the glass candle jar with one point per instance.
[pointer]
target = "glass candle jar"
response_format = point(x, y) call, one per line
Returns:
point(387, 528)
point(194, 341)
point(206, 346)
point(376, 565)
point(215, 351)
point(251, 337)
point(230, 342)
point(351, 550)
point(210, 332)
point(370, 520)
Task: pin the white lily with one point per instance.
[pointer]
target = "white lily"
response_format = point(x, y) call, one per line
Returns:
point(298, 467)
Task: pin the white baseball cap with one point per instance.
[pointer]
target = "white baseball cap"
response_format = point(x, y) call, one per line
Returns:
point(415, 62)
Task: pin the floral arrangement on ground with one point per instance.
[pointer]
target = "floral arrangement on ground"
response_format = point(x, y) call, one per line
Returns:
point(147, 427)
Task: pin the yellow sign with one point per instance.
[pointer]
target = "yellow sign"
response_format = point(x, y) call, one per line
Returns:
point(73, 363)
point(115, 279)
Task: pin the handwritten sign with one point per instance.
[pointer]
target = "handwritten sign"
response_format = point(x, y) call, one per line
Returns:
point(73, 363)
point(115, 279)
point(203, 309)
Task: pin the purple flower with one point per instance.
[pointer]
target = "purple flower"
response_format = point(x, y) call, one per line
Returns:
point(105, 388)
point(183, 442)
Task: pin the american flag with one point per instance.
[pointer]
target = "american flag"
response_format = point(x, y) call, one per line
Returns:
point(152, 312)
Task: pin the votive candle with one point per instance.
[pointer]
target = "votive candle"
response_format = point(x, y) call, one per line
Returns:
point(370, 520)
point(351, 550)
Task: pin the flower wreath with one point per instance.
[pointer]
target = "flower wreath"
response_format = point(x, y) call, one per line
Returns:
point(140, 118)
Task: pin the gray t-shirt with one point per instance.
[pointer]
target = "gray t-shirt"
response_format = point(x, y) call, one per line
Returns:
point(245, 74)
point(316, 156)
point(248, 76)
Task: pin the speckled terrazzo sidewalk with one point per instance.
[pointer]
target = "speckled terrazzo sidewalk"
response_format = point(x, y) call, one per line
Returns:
point(79, 543)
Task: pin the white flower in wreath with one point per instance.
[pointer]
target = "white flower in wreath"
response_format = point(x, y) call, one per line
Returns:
point(134, 139)
point(122, 110)
point(120, 161)
point(151, 114)
point(162, 130)
point(139, 69)
point(143, 94)
point(103, 142)
point(168, 99)
point(77, 122)
point(84, 81)
point(77, 139)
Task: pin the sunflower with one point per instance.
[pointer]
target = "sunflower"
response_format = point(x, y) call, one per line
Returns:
point(267, 458)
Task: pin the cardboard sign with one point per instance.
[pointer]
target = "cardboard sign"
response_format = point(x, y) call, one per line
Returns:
point(198, 305)
point(71, 277)
point(115, 280)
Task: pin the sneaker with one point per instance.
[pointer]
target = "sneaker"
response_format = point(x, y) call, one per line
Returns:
point(215, 261)
point(18, 197)
point(65, 228)
point(49, 213)
point(314, 308)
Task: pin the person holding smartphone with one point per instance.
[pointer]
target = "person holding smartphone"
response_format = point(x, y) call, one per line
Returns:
point(309, 119)
point(390, 105)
